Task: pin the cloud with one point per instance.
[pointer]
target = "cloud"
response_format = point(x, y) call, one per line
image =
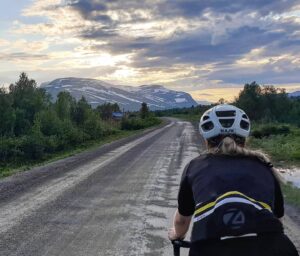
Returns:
point(214, 94)
point(20, 56)
point(187, 44)
point(4, 43)
point(89, 9)
point(42, 7)
point(29, 46)
point(192, 8)
point(177, 8)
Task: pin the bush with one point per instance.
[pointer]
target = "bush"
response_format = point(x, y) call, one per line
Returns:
point(94, 127)
point(280, 147)
point(52, 144)
point(109, 129)
point(270, 129)
point(132, 124)
point(151, 121)
point(138, 123)
point(9, 149)
point(70, 135)
point(33, 147)
point(296, 155)
point(50, 123)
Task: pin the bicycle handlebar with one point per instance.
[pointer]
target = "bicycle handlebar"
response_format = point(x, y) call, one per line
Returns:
point(180, 243)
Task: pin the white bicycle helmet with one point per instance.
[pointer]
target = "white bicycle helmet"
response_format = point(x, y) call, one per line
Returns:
point(224, 119)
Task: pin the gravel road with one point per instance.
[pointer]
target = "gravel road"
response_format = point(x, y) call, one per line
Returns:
point(115, 200)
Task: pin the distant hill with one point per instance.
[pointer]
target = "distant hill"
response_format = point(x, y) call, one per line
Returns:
point(130, 98)
point(294, 94)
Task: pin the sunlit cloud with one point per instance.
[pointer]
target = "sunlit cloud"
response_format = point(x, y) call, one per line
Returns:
point(4, 43)
point(215, 94)
point(230, 93)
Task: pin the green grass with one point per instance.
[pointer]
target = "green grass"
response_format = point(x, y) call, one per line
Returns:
point(13, 168)
point(291, 194)
point(284, 150)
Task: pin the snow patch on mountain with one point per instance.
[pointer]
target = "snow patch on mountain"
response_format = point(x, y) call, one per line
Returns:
point(180, 100)
point(130, 98)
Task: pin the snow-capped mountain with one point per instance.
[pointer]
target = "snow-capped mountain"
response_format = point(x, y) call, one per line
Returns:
point(294, 94)
point(98, 92)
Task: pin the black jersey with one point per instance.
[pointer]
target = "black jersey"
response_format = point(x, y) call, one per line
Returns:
point(230, 196)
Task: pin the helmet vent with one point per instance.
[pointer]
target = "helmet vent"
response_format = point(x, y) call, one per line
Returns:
point(244, 125)
point(205, 118)
point(226, 123)
point(207, 126)
point(229, 113)
point(245, 116)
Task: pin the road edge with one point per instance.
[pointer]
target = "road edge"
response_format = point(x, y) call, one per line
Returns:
point(24, 180)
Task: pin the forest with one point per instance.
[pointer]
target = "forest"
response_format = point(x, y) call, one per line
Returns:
point(33, 126)
point(263, 104)
point(268, 104)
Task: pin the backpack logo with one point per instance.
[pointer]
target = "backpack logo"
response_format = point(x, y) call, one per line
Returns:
point(234, 218)
point(227, 130)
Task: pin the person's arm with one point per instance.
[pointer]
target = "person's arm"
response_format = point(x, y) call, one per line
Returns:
point(278, 202)
point(180, 226)
point(185, 211)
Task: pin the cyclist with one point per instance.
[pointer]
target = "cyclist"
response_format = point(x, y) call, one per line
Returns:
point(232, 192)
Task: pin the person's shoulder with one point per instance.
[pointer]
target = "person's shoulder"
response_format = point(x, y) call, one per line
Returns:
point(199, 160)
point(253, 164)
point(258, 161)
point(213, 158)
point(203, 157)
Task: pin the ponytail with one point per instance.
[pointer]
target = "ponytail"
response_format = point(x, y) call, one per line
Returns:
point(228, 146)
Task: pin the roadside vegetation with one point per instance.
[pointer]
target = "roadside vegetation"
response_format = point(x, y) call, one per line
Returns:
point(275, 119)
point(280, 141)
point(34, 129)
point(291, 194)
point(141, 120)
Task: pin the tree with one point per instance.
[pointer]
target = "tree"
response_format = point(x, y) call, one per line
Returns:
point(64, 105)
point(94, 126)
point(107, 109)
point(7, 114)
point(250, 100)
point(144, 111)
point(294, 112)
point(221, 101)
point(82, 111)
point(50, 124)
point(276, 103)
point(28, 100)
point(265, 103)
point(34, 143)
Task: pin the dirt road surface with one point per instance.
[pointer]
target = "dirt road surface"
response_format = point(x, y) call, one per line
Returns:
point(116, 200)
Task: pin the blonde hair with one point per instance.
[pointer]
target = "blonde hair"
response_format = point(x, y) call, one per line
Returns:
point(228, 146)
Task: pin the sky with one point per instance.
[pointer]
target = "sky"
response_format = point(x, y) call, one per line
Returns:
point(208, 48)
